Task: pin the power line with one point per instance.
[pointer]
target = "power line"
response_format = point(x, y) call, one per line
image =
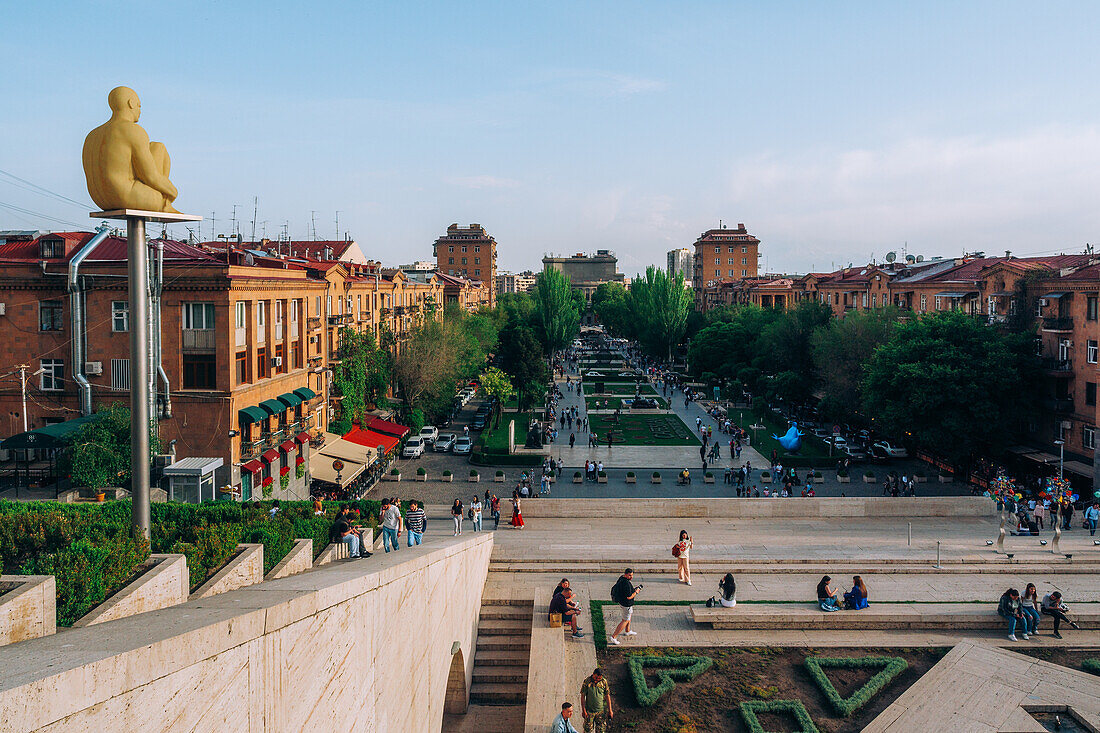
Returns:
point(40, 215)
point(45, 191)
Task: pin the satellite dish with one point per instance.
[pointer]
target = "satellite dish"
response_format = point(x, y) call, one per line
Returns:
point(891, 256)
point(910, 259)
point(920, 258)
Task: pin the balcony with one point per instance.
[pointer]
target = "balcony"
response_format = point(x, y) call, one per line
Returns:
point(252, 449)
point(199, 339)
point(313, 322)
point(340, 319)
point(1057, 323)
point(1060, 405)
point(1057, 367)
point(314, 361)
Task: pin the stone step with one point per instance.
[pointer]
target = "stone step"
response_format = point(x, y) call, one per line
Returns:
point(506, 602)
point(503, 643)
point(501, 674)
point(499, 626)
point(508, 693)
point(645, 568)
point(491, 658)
point(507, 612)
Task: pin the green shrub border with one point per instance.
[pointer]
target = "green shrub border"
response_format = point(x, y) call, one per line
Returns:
point(1091, 665)
point(684, 669)
point(750, 708)
point(891, 668)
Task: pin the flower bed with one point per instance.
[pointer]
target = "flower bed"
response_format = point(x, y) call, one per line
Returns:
point(682, 668)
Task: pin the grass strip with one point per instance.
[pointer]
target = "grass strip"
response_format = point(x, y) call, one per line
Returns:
point(891, 668)
point(680, 669)
point(795, 708)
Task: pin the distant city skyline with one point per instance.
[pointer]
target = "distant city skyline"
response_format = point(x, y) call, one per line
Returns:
point(836, 135)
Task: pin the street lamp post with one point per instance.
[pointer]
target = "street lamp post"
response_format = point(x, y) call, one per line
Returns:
point(1061, 456)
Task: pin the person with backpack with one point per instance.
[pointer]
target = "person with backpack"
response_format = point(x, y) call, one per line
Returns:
point(623, 593)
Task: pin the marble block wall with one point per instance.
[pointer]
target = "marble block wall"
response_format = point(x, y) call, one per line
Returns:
point(357, 645)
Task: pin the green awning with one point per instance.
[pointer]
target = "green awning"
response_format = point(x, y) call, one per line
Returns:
point(290, 399)
point(249, 415)
point(273, 407)
point(48, 436)
point(305, 393)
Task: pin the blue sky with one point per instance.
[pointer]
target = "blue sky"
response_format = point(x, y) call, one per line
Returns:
point(835, 133)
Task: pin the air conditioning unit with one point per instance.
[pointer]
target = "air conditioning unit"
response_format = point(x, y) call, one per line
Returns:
point(93, 368)
point(1043, 302)
point(3, 309)
point(276, 361)
point(162, 460)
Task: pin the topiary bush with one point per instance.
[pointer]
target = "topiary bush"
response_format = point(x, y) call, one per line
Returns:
point(794, 708)
point(1091, 665)
point(683, 669)
point(891, 668)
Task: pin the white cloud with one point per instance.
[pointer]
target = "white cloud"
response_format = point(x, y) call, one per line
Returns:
point(598, 83)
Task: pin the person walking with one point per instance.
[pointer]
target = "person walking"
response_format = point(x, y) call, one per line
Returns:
point(517, 513)
point(456, 516)
point(416, 522)
point(572, 439)
point(623, 593)
point(475, 509)
point(681, 550)
point(494, 510)
point(391, 525)
point(1092, 515)
point(596, 703)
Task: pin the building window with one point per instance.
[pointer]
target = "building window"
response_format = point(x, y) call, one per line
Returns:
point(477, 249)
point(477, 260)
point(744, 250)
point(280, 358)
point(53, 374)
point(923, 302)
point(200, 371)
point(242, 367)
point(1063, 349)
point(317, 304)
point(262, 364)
point(1090, 393)
point(294, 311)
point(198, 316)
point(1090, 354)
point(450, 260)
point(744, 260)
point(744, 273)
point(296, 355)
point(120, 374)
point(1090, 308)
point(49, 315)
point(51, 249)
point(1088, 437)
point(874, 300)
point(477, 272)
point(451, 248)
point(864, 300)
point(120, 316)
point(717, 250)
point(240, 314)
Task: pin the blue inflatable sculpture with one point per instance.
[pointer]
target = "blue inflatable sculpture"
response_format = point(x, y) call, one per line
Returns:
point(792, 440)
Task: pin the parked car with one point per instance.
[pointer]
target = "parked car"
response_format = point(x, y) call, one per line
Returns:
point(838, 441)
point(890, 450)
point(480, 421)
point(444, 442)
point(429, 433)
point(463, 446)
point(822, 432)
point(414, 448)
point(855, 453)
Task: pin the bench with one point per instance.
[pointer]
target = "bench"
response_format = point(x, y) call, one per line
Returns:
point(925, 616)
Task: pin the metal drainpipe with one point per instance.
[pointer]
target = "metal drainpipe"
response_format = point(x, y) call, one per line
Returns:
point(158, 339)
point(76, 314)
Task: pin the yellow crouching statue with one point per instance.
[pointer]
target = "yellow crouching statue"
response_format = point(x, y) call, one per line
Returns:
point(125, 170)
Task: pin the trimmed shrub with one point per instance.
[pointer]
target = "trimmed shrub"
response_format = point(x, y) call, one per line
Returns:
point(630, 474)
point(395, 471)
point(795, 708)
point(473, 473)
point(683, 669)
point(891, 668)
point(500, 473)
point(1091, 665)
point(447, 473)
point(576, 474)
point(421, 472)
point(656, 474)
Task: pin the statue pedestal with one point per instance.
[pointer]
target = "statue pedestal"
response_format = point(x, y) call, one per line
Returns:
point(141, 373)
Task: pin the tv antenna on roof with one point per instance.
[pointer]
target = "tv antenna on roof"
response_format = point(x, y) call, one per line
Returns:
point(891, 256)
point(313, 219)
point(255, 207)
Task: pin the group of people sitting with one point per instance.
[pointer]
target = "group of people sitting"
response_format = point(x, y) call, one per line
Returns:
point(1026, 610)
point(564, 602)
point(828, 597)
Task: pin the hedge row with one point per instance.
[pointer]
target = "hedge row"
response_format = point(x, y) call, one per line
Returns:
point(684, 669)
point(891, 668)
point(792, 707)
point(89, 550)
point(1091, 665)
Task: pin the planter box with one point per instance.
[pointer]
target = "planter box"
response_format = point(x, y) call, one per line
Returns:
point(920, 479)
point(499, 479)
point(632, 479)
point(601, 479)
point(708, 479)
point(946, 479)
point(578, 479)
point(819, 479)
point(391, 477)
point(766, 479)
point(868, 479)
point(298, 560)
point(421, 476)
point(654, 479)
point(448, 477)
point(247, 568)
point(164, 584)
point(28, 608)
point(844, 479)
point(473, 479)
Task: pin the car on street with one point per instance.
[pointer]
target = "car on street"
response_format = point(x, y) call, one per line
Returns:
point(414, 448)
point(838, 441)
point(822, 432)
point(444, 442)
point(480, 420)
point(889, 450)
point(429, 433)
point(855, 453)
point(463, 446)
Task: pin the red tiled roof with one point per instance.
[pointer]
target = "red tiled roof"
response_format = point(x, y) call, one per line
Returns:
point(111, 249)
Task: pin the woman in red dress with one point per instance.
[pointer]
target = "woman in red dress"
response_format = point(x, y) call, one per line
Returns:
point(517, 516)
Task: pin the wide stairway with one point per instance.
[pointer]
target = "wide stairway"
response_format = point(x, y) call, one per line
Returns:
point(503, 653)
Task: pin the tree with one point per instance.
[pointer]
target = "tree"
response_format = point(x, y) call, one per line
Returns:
point(556, 311)
point(785, 343)
point(659, 306)
point(840, 352)
point(731, 343)
point(496, 383)
point(362, 377)
point(100, 453)
point(521, 357)
point(609, 303)
point(953, 383)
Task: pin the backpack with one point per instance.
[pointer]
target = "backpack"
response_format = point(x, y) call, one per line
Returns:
point(615, 593)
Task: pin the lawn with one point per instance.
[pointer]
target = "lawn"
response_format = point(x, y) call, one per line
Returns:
point(643, 430)
point(623, 388)
point(495, 439)
point(612, 403)
point(813, 449)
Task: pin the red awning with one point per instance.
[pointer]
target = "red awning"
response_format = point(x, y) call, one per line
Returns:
point(379, 425)
point(302, 438)
point(288, 446)
point(271, 455)
point(371, 439)
point(252, 466)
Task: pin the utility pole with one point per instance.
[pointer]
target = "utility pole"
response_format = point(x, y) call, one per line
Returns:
point(255, 209)
point(23, 387)
point(337, 226)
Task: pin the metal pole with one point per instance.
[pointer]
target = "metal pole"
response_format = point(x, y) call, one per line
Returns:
point(23, 385)
point(937, 553)
point(1061, 458)
point(139, 372)
point(910, 542)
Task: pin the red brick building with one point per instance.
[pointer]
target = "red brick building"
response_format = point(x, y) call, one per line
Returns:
point(469, 253)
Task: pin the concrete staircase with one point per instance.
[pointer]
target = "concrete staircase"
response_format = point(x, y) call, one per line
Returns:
point(503, 654)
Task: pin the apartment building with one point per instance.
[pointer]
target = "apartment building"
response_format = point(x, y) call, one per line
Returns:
point(722, 254)
point(471, 254)
point(516, 282)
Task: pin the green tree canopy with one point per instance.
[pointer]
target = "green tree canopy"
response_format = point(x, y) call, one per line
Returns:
point(610, 305)
point(496, 383)
point(100, 453)
point(556, 311)
point(841, 350)
point(521, 357)
point(659, 305)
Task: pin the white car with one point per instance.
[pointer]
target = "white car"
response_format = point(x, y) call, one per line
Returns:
point(838, 441)
point(414, 448)
point(444, 442)
point(463, 446)
point(429, 433)
point(891, 450)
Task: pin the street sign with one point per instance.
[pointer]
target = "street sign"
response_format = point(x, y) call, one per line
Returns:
point(337, 465)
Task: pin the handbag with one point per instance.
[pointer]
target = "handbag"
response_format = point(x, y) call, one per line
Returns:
point(469, 513)
point(676, 550)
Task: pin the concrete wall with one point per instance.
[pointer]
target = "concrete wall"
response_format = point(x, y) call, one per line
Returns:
point(28, 607)
point(361, 645)
point(824, 507)
point(166, 583)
